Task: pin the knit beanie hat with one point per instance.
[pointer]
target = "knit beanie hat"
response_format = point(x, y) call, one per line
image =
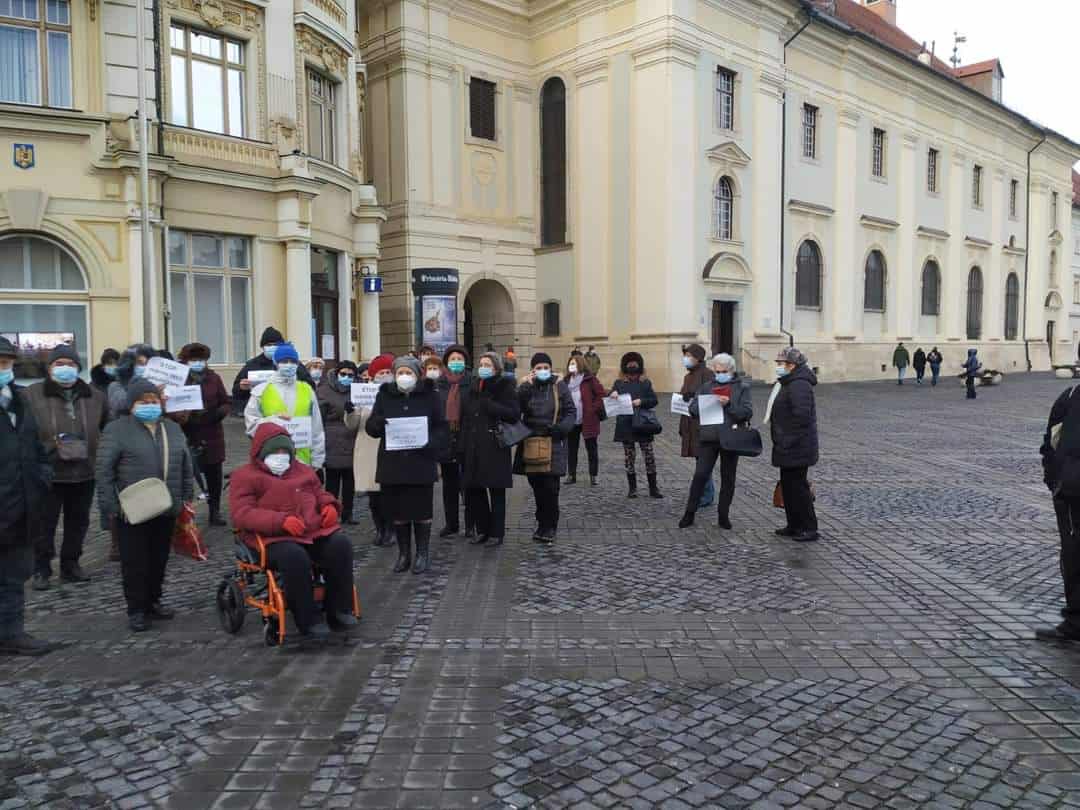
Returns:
point(65, 352)
point(791, 355)
point(271, 337)
point(286, 351)
point(457, 347)
point(137, 388)
point(540, 357)
point(275, 444)
point(7, 348)
point(384, 362)
point(349, 364)
point(409, 362)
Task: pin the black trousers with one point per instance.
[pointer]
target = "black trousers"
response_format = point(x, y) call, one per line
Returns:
point(708, 455)
point(212, 473)
point(546, 491)
point(451, 493)
point(144, 553)
point(1068, 519)
point(339, 483)
point(798, 502)
point(74, 501)
point(16, 563)
point(488, 508)
point(375, 506)
point(573, 440)
point(292, 561)
point(971, 388)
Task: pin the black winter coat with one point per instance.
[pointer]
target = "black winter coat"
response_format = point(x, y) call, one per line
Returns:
point(25, 474)
point(259, 362)
point(340, 438)
point(919, 360)
point(642, 389)
point(408, 467)
point(794, 421)
point(538, 414)
point(738, 411)
point(99, 379)
point(453, 447)
point(484, 404)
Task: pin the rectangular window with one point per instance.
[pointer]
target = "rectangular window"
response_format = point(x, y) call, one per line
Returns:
point(322, 117)
point(551, 319)
point(878, 158)
point(482, 109)
point(931, 170)
point(1076, 289)
point(210, 293)
point(206, 81)
point(976, 185)
point(1053, 209)
point(809, 131)
point(35, 52)
point(725, 99)
point(1014, 188)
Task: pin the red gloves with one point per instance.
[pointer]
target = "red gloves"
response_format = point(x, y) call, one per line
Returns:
point(294, 526)
point(329, 516)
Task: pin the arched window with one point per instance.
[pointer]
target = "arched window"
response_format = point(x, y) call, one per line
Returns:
point(1012, 306)
point(974, 304)
point(931, 288)
point(553, 162)
point(551, 324)
point(874, 283)
point(723, 209)
point(808, 276)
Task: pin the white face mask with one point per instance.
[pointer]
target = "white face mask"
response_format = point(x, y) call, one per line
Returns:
point(433, 374)
point(278, 463)
point(406, 382)
point(383, 377)
point(572, 368)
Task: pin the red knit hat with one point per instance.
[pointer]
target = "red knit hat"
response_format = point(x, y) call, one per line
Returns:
point(384, 362)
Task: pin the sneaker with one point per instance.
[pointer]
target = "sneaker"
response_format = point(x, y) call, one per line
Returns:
point(470, 533)
point(26, 644)
point(547, 536)
point(494, 541)
point(40, 582)
point(138, 622)
point(1061, 632)
point(159, 611)
point(73, 573)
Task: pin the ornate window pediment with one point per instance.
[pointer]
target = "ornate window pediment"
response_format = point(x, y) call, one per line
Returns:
point(729, 156)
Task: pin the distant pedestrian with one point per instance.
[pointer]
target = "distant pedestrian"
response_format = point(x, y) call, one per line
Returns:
point(972, 367)
point(592, 361)
point(918, 361)
point(1061, 472)
point(792, 418)
point(588, 396)
point(104, 372)
point(510, 363)
point(697, 375)
point(934, 359)
point(316, 367)
point(900, 360)
point(634, 382)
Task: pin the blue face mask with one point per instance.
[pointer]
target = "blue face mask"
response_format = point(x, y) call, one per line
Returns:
point(456, 366)
point(485, 372)
point(287, 370)
point(198, 366)
point(688, 362)
point(268, 352)
point(147, 412)
point(6, 376)
point(110, 370)
point(65, 375)
point(316, 373)
point(543, 374)
point(781, 371)
point(343, 381)
point(140, 371)
point(723, 377)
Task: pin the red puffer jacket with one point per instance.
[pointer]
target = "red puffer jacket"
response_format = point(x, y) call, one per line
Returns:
point(259, 501)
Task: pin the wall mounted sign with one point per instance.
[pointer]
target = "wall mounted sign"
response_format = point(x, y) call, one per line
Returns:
point(23, 155)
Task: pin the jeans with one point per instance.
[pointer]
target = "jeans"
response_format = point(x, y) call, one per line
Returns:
point(573, 441)
point(74, 501)
point(1068, 520)
point(16, 564)
point(708, 494)
point(798, 502)
point(292, 561)
point(935, 372)
point(920, 372)
point(144, 554)
point(451, 494)
point(900, 372)
point(708, 455)
point(339, 483)
point(546, 491)
point(970, 387)
point(489, 509)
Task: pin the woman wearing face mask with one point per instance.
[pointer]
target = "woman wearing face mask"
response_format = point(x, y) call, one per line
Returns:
point(334, 391)
point(366, 452)
point(588, 395)
point(450, 383)
point(135, 447)
point(102, 375)
point(697, 375)
point(547, 409)
point(316, 368)
point(634, 382)
point(204, 429)
point(734, 394)
point(487, 401)
point(407, 476)
point(132, 366)
point(792, 418)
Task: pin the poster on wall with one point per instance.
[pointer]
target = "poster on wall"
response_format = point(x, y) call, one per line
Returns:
point(438, 317)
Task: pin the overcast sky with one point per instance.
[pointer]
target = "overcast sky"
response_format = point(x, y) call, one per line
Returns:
point(1036, 41)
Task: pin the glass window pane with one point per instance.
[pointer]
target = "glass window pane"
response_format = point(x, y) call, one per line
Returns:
point(11, 265)
point(208, 105)
point(59, 12)
point(236, 52)
point(59, 69)
point(46, 318)
point(315, 132)
point(178, 90)
point(236, 103)
point(177, 247)
point(240, 323)
point(206, 251)
point(178, 303)
point(205, 45)
point(20, 9)
point(238, 252)
point(331, 147)
point(70, 277)
point(20, 76)
point(176, 37)
point(210, 311)
point(43, 266)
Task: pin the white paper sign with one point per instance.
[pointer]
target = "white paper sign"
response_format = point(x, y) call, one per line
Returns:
point(160, 371)
point(623, 406)
point(679, 406)
point(183, 398)
point(406, 433)
point(259, 377)
point(300, 430)
point(363, 394)
point(710, 411)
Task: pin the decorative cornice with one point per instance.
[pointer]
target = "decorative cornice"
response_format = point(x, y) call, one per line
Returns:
point(195, 147)
point(977, 242)
point(879, 223)
point(666, 49)
point(932, 233)
point(311, 43)
point(810, 209)
point(728, 153)
point(219, 13)
point(332, 10)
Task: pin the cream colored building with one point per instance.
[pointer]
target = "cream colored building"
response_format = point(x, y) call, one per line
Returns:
point(639, 175)
point(1074, 317)
point(262, 213)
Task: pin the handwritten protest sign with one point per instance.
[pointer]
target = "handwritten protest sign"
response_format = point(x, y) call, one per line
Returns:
point(407, 433)
point(160, 371)
point(679, 406)
point(623, 406)
point(363, 394)
point(183, 398)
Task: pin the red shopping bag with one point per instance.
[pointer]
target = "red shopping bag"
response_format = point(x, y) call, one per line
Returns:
point(186, 538)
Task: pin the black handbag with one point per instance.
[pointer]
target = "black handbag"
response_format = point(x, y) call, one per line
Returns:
point(645, 423)
point(507, 434)
point(742, 441)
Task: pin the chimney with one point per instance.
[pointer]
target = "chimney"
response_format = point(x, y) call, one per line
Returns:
point(886, 9)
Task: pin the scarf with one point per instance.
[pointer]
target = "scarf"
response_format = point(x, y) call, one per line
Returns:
point(453, 400)
point(772, 399)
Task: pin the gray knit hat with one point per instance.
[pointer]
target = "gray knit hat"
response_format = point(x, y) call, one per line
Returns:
point(65, 352)
point(409, 362)
point(791, 355)
point(137, 388)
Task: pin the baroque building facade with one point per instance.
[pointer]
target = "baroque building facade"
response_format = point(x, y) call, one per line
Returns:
point(741, 173)
point(261, 208)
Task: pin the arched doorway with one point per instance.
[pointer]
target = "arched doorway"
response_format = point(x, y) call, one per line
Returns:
point(489, 317)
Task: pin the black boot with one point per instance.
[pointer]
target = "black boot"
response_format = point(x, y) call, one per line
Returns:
point(687, 520)
point(592, 481)
point(654, 490)
point(723, 521)
point(571, 479)
point(423, 541)
point(631, 480)
point(404, 544)
point(215, 516)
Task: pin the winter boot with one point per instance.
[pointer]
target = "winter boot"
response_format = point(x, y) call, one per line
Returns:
point(593, 482)
point(114, 546)
point(380, 530)
point(423, 541)
point(654, 490)
point(571, 479)
point(404, 544)
point(686, 520)
point(215, 516)
point(631, 480)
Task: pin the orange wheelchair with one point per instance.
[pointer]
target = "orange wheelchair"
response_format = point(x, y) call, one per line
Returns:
point(254, 584)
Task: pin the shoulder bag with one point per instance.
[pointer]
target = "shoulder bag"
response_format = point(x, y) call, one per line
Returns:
point(536, 451)
point(70, 447)
point(508, 434)
point(742, 441)
point(645, 423)
point(147, 499)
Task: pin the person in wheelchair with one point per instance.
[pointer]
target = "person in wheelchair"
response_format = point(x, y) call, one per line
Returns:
point(281, 500)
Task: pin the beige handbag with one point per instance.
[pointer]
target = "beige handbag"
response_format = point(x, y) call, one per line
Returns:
point(147, 499)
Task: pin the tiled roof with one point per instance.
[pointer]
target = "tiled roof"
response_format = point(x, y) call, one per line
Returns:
point(978, 67)
point(867, 21)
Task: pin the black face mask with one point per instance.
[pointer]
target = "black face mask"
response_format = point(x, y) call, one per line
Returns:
point(633, 370)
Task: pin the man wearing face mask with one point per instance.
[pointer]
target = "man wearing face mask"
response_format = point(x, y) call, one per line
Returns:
point(204, 429)
point(263, 361)
point(70, 416)
point(132, 366)
point(104, 372)
point(286, 399)
point(334, 391)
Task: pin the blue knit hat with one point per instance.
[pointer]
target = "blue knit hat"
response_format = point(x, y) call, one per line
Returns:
point(286, 351)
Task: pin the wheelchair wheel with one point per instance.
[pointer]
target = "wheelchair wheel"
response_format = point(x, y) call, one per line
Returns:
point(270, 632)
point(230, 605)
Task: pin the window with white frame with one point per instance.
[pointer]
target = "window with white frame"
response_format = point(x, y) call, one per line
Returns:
point(482, 96)
point(931, 170)
point(977, 185)
point(725, 99)
point(206, 81)
point(322, 117)
point(1014, 188)
point(877, 161)
point(723, 209)
point(809, 131)
point(551, 326)
point(35, 52)
point(210, 293)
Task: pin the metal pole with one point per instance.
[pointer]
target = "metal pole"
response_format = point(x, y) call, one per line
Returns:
point(144, 173)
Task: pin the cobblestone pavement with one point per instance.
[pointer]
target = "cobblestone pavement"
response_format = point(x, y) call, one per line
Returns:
point(631, 665)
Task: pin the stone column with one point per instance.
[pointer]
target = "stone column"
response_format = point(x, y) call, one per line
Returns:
point(954, 270)
point(764, 188)
point(590, 116)
point(369, 316)
point(845, 283)
point(345, 296)
point(298, 295)
point(904, 280)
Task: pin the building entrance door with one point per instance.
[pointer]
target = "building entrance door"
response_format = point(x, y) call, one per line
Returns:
point(324, 304)
point(723, 327)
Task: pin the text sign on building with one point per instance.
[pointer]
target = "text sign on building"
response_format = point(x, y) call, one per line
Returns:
point(435, 294)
